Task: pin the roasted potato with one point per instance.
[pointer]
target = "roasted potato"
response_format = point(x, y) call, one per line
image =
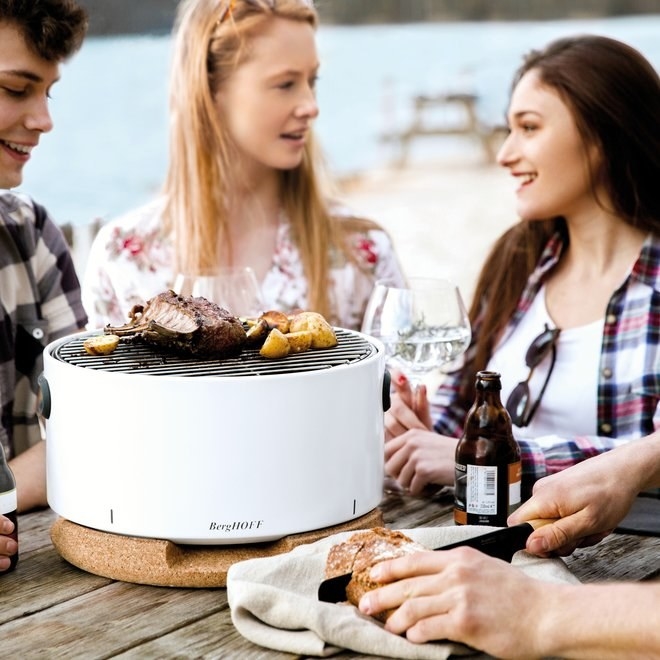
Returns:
point(323, 334)
point(275, 346)
point(300, 341)
point(101, 344)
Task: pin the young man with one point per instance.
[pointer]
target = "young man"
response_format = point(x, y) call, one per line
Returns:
point(39, 289)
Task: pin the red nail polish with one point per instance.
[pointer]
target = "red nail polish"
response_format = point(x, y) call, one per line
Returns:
point(401, 379)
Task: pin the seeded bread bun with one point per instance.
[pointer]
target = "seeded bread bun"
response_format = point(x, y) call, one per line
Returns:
point(360, 552)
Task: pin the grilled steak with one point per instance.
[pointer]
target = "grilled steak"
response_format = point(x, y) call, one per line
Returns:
point(184, 324)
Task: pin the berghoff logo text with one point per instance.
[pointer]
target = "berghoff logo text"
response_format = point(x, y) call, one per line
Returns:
point(238, 525)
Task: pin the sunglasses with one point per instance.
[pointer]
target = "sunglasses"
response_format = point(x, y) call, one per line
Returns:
point(230, 4)
point(519, 404)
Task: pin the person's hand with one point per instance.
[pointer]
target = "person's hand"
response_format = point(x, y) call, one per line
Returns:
point(8, 546)
point(415, 455)
point(589, 499)
point(418, 458)
point(409, 408)
point(461, 595)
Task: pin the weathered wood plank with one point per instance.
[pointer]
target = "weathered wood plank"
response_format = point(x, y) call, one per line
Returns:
point(109, 620)
point(211, 637)
point(34, 530)
point(42, 579)
point(617, 557)
point(406, 512)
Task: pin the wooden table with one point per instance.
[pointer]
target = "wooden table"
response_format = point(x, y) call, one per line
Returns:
point(49, 608)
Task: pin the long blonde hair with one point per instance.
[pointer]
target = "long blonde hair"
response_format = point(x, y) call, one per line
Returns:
point(211, 40)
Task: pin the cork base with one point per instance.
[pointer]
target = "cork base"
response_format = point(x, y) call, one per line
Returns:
point(165, 564)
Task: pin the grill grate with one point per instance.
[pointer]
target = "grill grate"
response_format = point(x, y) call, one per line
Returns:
point(134, 357)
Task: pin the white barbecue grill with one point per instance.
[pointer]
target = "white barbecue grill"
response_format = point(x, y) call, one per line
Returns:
point(242, 449)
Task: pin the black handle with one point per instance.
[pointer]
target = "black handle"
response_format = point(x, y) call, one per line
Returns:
point(502, 543)
point(387, 381)
point(44, 399)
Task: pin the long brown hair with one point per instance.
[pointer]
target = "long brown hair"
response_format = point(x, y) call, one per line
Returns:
point(614, 96)
point(211, 40)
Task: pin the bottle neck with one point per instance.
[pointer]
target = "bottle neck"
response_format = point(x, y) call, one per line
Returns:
point(488, 396)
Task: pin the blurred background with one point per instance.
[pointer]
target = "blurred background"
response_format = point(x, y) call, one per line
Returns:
point(384, 65)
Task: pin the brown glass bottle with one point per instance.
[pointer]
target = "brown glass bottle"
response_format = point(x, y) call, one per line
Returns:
point(488, 468)
point(8, 502)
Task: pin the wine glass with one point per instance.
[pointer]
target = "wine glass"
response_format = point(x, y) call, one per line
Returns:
point(234, 289)
point(423, 327)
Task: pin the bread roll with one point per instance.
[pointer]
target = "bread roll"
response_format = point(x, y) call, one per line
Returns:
point(360, 552)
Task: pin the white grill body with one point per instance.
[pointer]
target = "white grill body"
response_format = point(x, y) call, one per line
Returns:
point(214, 459)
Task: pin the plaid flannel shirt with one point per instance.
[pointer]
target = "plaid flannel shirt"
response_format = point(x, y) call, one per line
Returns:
point(629, 370)
point(40, 301)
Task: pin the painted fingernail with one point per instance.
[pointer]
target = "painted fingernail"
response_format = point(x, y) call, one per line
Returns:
point(401, 379)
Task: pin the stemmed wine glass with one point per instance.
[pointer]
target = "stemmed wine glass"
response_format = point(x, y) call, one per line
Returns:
point(236, 290)
point(423, 327)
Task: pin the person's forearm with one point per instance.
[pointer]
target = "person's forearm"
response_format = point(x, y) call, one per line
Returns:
point(635, 462)
point(646, 457)
point(601, 621)
point(29, 470)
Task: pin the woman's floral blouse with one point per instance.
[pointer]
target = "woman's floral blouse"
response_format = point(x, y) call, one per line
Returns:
point(130, 262)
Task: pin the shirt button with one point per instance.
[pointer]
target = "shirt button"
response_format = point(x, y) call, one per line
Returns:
point(38, 333)
point(610, 319)
point(607, 372)
point(606, 428)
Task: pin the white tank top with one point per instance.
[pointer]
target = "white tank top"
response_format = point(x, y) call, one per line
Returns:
point(568, 406)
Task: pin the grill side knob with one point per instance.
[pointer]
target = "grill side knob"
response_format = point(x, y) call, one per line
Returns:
point(44, 399)
point(387, 380)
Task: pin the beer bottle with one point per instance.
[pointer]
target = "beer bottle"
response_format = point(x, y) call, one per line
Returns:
point(488, 468)
point(8, 502)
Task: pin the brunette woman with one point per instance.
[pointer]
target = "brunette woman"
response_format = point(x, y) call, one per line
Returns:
point(567, 306)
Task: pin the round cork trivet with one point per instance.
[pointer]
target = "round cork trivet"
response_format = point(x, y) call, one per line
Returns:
point(165, 564)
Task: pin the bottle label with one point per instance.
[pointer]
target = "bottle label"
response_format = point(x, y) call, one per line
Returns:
point(8, 502)
point(486, 494)
point(515, 483)
point(481, 492)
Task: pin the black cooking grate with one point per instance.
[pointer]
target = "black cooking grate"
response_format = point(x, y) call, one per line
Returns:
point(134, 357)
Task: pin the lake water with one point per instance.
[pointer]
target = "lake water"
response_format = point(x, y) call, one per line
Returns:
point(108, 151)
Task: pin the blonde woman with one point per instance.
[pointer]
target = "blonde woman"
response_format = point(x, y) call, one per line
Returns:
point(243, 187)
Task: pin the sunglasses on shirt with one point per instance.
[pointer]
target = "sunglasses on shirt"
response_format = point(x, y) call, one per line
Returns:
point(519, 404)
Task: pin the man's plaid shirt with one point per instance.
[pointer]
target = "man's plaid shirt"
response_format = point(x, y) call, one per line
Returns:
point(39, 302)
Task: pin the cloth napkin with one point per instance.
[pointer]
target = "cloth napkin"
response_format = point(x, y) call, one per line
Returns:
point(274, 602)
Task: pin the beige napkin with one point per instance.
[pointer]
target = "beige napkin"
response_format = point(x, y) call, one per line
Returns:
point(274, 602)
